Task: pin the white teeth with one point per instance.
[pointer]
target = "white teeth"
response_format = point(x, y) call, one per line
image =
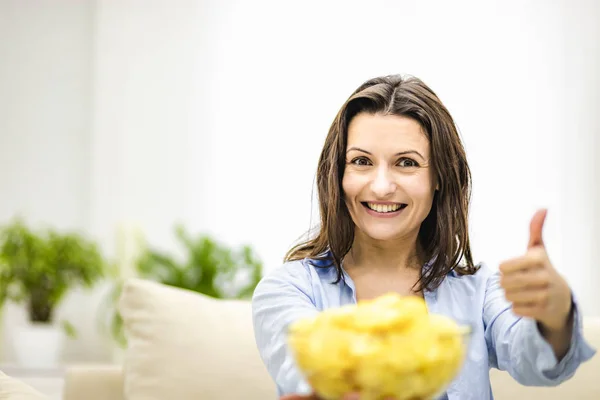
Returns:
point(383, 208)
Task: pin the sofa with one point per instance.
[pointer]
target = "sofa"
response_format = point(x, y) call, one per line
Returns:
point(183, 345)
point(12, 389)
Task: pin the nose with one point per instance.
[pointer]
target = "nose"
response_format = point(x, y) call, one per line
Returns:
point(383, 184)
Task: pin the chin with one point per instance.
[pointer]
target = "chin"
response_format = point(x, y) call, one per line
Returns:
point(383, 235)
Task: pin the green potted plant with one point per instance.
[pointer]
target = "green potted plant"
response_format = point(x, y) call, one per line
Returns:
point(37, 269)
point(206, 266)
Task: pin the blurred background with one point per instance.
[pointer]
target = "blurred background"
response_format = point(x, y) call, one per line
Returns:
point(120, 120)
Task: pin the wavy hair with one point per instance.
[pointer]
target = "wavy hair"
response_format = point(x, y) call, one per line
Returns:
point(443, 235)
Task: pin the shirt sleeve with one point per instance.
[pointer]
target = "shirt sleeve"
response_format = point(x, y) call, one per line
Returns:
point(281, 298)
point(516, 345)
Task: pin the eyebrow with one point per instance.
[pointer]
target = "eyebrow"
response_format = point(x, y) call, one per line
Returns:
point(397, 154)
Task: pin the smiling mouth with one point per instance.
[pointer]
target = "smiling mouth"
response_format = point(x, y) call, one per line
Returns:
point(384, 208)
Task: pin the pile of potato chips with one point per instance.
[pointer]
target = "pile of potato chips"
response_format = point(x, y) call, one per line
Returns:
point(386, 347)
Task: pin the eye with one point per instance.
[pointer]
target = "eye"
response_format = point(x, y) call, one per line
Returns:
point(407, 163)
point(361, 161)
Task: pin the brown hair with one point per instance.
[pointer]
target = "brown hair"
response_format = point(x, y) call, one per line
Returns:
point(443, 235)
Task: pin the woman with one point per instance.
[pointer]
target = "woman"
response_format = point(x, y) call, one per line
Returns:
point(394, 190)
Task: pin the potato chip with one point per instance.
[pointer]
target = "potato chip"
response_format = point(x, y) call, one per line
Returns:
point(389, 346)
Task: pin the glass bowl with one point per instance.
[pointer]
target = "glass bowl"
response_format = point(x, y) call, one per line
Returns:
point(413, 365)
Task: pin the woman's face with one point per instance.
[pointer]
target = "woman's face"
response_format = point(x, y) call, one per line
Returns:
point(388, 184)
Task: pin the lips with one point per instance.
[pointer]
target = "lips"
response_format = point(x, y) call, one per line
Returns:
point(384, 208)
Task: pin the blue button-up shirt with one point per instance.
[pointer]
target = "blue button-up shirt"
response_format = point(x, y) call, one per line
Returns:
point(500, 339)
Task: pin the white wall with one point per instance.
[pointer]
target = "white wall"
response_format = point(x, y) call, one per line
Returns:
point(45, 105)
point(45, 93)
point(518, 77)
point(214, 112)
point(145, 109)
point(580, 148)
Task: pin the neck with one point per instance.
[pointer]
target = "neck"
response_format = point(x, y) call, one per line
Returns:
point(398, 254)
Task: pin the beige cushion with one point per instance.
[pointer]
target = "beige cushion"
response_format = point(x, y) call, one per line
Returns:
point(183, 345)
point(585, 385)
point(12, 389)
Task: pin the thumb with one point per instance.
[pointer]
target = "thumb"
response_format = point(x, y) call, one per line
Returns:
point(535, 228)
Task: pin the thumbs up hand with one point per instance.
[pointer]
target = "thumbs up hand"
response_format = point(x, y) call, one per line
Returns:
point(535, 289)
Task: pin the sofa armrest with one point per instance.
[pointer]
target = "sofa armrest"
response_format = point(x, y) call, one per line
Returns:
point(14, 389)
point(94, 383)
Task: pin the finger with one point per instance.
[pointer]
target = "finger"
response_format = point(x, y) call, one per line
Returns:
point(514, 265)
point(535, 229)
point(538, 298)
point(532, 279)
point(533, 259)
point(352, 396)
